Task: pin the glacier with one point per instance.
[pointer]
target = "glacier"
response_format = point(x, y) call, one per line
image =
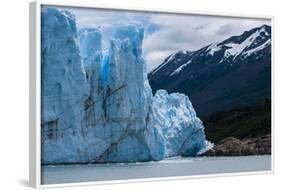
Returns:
point(97, 105)
point(183, 132)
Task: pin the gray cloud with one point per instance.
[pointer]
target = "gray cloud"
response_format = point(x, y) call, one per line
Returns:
point(166, 33)
point(191, 32)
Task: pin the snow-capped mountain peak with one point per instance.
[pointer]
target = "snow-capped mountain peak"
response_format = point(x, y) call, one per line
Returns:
point(232, 50)
point(164, 63)
point(209, 75)
point(213, 48)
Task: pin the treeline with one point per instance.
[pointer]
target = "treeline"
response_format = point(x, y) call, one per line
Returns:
point(241, 122)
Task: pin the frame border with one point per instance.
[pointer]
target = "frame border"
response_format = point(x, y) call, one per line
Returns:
point(35, 91)
point(34, 94)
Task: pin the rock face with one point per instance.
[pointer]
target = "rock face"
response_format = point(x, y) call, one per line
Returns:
point(103, 109)
point(231, 146)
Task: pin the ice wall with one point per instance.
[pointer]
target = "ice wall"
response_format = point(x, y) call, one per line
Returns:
point(98, 105)
point(64, 87)
point(90, 47)
point(174, 116)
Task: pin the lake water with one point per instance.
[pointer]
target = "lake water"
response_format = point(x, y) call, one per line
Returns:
point(166, 168)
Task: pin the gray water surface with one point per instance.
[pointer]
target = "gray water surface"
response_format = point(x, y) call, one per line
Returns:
point(167, 168)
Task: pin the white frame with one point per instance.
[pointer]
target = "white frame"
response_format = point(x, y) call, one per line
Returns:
point(35, 92)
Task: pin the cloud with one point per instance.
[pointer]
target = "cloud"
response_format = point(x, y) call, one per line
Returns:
point(109, 20)
point(190, 32)
point(153, 57)
point(165, 33)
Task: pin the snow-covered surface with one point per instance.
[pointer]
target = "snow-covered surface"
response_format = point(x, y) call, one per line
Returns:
point(238, 49)
point(180, 68)
point(235, 49)
point(261, 47)
point(105, 111)
point(213, 48)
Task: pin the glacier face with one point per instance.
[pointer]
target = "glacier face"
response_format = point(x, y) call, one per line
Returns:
point(97, 106)
point(64, 87)
point(173, 115)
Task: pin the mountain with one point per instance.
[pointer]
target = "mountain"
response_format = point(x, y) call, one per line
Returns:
point(241, 122)
point(220, 76)
point(98, 106)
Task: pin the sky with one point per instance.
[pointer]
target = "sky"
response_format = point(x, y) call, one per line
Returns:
point(165, 33)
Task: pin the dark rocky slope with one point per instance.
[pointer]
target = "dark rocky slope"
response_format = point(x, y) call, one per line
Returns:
point(231, 146)
point(221, 76)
